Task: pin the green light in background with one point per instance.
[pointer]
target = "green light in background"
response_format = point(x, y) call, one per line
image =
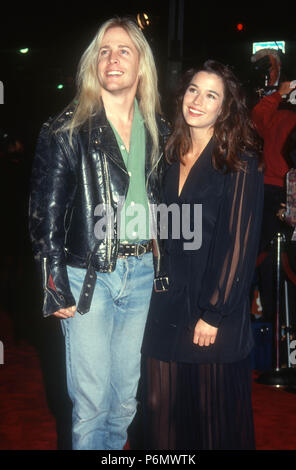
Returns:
point(60, 86)
point(24, 50)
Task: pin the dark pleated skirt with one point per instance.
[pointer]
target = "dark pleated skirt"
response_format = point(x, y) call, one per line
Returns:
point(197, 406)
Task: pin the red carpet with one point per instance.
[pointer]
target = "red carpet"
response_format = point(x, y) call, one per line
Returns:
point(25, 420)
point(28, 423)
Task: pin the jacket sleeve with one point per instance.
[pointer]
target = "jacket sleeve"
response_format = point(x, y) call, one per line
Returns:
point(51, 195)
point(234, 245)
point(264, 112)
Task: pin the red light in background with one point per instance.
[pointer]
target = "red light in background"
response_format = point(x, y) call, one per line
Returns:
point(239, 26)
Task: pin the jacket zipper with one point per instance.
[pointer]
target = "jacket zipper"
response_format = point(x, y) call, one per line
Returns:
point(156, 240)
point(108, 240)
point(45, 283)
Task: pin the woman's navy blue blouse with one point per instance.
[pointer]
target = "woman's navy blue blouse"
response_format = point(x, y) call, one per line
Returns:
point(211, 273)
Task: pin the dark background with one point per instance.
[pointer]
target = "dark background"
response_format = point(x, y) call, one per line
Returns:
point(56, 37)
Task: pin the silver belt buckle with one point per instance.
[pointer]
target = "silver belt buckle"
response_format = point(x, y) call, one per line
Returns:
point(144, 248)
point(161, 284)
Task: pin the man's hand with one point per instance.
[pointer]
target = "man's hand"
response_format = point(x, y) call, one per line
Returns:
point(285, 89)
point(65, 312)
point(281, 212)
point(204, 334)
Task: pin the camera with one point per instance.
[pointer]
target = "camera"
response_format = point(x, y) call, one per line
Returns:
point(266, 71)
point(260, 76)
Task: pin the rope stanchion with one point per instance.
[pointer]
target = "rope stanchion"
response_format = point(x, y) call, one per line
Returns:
point(280, 376)
point(292, 277)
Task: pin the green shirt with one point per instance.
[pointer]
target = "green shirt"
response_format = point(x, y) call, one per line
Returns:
point(134, 217)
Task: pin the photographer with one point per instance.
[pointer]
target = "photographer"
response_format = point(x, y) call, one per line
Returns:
point(274, 122)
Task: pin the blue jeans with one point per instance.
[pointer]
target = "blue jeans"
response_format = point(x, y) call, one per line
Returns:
point(103, 353)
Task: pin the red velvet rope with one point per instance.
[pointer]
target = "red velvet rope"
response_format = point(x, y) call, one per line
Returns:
point(287, 268)
point(261, 258)
point(285, 263)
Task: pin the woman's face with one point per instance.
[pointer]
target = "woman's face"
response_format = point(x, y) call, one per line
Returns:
point(203, 101)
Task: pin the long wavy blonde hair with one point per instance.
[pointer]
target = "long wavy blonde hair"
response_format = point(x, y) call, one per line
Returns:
point(86, 102)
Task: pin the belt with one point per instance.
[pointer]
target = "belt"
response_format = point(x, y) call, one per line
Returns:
point(125, 250)
point(134, 249)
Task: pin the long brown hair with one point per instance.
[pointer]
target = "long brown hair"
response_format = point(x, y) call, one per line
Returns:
point(234, 132)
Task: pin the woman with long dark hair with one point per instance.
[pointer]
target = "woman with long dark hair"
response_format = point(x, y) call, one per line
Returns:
point(198, 338)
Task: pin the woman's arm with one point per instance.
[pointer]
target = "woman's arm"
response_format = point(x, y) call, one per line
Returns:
point(233, 250)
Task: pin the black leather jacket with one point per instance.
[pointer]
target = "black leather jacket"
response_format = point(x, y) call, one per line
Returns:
point(67, 184)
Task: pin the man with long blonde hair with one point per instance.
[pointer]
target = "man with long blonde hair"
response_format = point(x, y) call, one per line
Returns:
point(97, 162)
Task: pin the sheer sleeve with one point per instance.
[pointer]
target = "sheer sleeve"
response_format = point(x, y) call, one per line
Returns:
point(234, 245)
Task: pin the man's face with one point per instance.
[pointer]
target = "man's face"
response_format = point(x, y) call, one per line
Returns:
point(118, 63)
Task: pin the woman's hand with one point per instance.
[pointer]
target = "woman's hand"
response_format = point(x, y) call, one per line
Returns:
point(204, 334)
